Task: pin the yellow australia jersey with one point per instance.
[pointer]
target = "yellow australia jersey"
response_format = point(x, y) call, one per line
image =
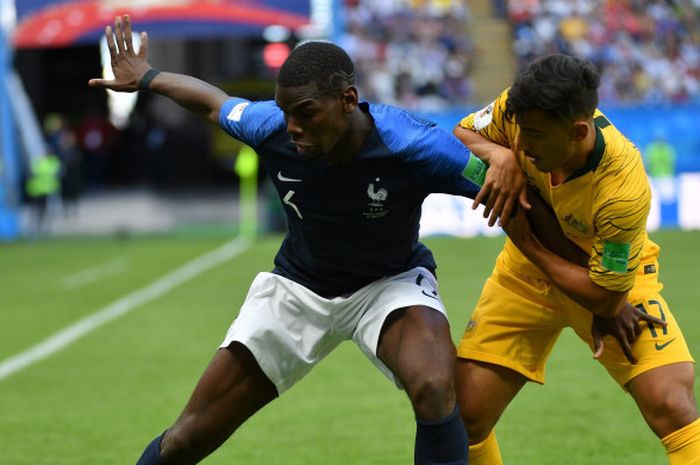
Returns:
point(603, 207)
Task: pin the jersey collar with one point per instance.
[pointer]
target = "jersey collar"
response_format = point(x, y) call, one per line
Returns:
point(597, 155)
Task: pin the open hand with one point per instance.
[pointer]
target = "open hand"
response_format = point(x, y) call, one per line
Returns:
point(127, 65)
point(624, 327)
point(503, 189)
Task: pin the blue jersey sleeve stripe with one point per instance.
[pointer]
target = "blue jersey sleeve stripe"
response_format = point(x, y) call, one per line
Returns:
point(439, 158)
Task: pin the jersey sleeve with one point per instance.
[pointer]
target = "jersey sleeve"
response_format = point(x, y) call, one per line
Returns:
point(437, 157)
point(249, 121)
point(491, 122)
point(620, 224)
point(447, 166)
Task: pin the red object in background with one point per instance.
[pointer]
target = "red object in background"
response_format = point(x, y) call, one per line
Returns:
point(274, 54)
point(65, 23)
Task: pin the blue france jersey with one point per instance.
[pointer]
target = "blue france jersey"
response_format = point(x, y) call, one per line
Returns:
point(355, 222)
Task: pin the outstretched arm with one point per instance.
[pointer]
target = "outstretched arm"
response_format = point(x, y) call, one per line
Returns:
point(130, 69)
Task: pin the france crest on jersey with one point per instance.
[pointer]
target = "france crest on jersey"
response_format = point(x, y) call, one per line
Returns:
point(355, 222)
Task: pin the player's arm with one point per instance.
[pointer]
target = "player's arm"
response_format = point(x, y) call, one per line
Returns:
point(504, 186)
point(573, 279)
point(132, 72)
point(546, 228)
point(625, 325)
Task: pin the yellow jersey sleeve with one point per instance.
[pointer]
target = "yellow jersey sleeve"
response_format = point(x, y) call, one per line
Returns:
point(491, 122)
point(620, 209)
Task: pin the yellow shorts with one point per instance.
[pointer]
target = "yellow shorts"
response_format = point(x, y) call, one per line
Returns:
point(518, 318)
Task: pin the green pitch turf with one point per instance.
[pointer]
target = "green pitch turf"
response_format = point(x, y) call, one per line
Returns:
point(101, 399)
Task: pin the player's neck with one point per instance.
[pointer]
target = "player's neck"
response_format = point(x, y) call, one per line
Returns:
point(361, 124)
point(582, 152)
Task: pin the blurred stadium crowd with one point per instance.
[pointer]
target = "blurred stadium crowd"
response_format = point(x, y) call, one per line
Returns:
point(647, 50)
point(413, 54)
point(419, 54)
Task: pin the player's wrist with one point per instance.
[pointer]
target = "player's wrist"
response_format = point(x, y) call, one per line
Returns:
point(145, 81)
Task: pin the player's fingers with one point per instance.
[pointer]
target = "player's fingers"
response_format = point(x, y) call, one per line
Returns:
point(598, 347)
point(505, 215)
point(482, 195)
point(597, 342)
point(496, 211)
point(627, 350)
point(128, 41)
point(143, 49)
point(489, 204)
point(119, 32)
point(522, 199)
point(109, 37)
point(630, 330)
point(650, 318)
point(637, 329)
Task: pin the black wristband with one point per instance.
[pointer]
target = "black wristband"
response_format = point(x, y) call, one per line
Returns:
point(145, 81)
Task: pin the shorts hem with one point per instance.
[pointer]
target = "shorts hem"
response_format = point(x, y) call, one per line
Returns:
point(281, 386)
point(500, 361)
point(634, 372)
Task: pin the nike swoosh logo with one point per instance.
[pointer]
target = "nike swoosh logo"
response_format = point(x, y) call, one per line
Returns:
point(663, 346)
point(429, 295)
point(286, 179)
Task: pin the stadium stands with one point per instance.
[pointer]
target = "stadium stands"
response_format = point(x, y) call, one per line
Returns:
point(648, 51)
point(414, 54)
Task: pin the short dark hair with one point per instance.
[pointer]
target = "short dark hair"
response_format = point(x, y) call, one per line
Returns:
point(324, 63)
point(564, 86)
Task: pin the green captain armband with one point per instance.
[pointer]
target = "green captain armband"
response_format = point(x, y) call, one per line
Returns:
point(475, 170)
point(616, 256)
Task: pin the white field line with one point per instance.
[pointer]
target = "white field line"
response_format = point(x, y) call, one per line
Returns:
point(80, 328)
point(94, 274)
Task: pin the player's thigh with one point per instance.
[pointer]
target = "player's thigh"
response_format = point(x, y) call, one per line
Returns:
point(514, 325)
point(404, 325)
point(416, 342)
point(232, 388)
point(416, 346)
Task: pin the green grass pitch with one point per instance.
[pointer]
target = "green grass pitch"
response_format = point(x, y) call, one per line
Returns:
point(103, 398)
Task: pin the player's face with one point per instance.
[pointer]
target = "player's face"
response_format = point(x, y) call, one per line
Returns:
point(315, 121)
point(546, 141)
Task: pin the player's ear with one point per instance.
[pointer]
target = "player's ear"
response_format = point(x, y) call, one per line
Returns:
point(350, 99)
point(581, 129)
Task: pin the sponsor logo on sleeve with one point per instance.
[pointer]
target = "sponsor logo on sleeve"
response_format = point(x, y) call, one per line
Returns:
point(483, 117)
point(237, 111)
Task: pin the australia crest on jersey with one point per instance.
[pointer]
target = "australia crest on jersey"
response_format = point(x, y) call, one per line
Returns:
point(376, 207)
point(577, 224)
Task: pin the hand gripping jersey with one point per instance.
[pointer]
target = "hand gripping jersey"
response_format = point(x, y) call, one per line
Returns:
point(352, 223)
point(603, 207)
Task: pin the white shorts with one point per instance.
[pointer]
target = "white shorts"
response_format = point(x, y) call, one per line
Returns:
point(289, 329)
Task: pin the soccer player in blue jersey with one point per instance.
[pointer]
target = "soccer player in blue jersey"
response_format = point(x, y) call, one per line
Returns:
point(352, 177)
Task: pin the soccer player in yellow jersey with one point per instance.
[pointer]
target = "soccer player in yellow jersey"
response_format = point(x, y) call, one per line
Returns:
point(547, 124)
